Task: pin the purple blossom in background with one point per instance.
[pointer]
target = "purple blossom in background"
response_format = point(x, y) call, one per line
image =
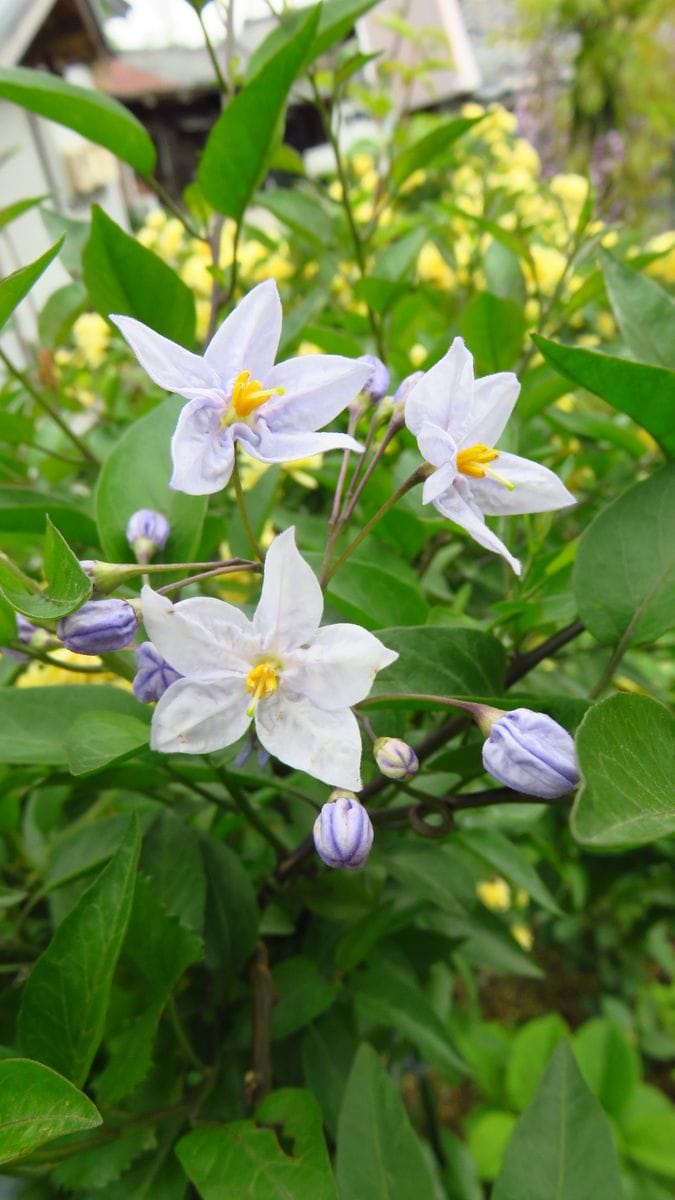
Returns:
point(147, 531)
point(378, 382)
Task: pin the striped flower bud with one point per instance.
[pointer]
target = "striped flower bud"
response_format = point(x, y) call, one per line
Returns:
point(378, 381)
point(406, 386)
point(147, 532)
point(343, 833)
point(395, 758)
point(529, 752)
point(153, 673)
point(99, 626)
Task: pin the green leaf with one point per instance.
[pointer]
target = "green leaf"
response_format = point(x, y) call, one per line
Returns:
point(429, 148)
point(25, 511)
point(645, 393)
point(97, 117)
point(231, 919)
point(60, 312)
point(136, 475)
point(386, 999)
point(65, 999)
point(246, 1161)
point(67, 585)
point(17, 285)
point(624, 573)
point(562, 1146)
point(645, 312)
point(373, 596)
point(487, 1140)
point(157, 951)
point(96, 739)
point(122, 276)
point(303, 993)
point(302, 213)
point(609, 1063)
point(378, 1153)
point(436, 660)
point(494, 329)
point(530, 1051)
point(74, 233)
point(238, 146)
point(336, 18)
point(103, 1164)
point(626, 748)
point(35, 722)
point(37, 1105)
point(12, 211)
point(172, 860)
point(503, 856)
point(650, 1140)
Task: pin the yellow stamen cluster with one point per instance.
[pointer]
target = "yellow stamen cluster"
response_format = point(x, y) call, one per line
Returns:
point(472, 461)
point(261, 681)
point(248, 394)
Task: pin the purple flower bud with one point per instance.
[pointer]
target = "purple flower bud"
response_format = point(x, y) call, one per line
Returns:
point(406, 386)
point(153, 673)
point(395, 758)
point(24, 629)
point(343, 833)
point(531, 753)
point(99, 626)
point(147, 532)
point(377, 383)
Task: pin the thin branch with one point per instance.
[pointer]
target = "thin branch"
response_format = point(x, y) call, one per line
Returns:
point(42, 401)
point(521, 664)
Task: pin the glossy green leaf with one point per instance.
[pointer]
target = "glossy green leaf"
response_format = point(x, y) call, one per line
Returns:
point(304, 993)
point(35, 722)
point(645, 312)
point(37, 1105)
point(440, 661)
point(65, 999)
point(14, 287)
point(136, 475)
point(624, 573)
point(172, 860)
point(157, 951)
point(280, 1155)
point(609, 1063)
point(378, 1153)
point(493, 329)
point(240, 142)
point(387, 1000)
point(645, 393)
point(302, 213)
point(336, 18)
point(67, 584)
point(96, 116)
point(429, 149)
point(626, 749)
point(507, 859)
point(122, 276)
point(99, 738)
point(12, 211)
point(531, 1049)
point(562, 1147)
point(372, 595)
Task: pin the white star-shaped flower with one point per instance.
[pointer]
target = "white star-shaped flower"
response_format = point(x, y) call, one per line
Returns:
point(297, 682)
point(457, 420)
point(236, 394)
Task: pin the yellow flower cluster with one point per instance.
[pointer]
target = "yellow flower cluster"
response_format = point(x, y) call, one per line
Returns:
point(41, 674)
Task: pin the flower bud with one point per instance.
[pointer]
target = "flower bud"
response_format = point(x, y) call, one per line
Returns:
point(531, 753)
point(106, 576)
point(378, 381)
point(24, 629)
point(406, 386)
point(395, 758)
point(147, 532)
point(153, 673)
point(99, 626)
point(343, 833)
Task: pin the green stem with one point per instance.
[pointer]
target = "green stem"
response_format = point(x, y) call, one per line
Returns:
point(248, 812)
point(223, 83)
point(168, 202)
point(411, 482)
point(182, 1037)
point(241, 505)
point(41, 400)
point(228, 570)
